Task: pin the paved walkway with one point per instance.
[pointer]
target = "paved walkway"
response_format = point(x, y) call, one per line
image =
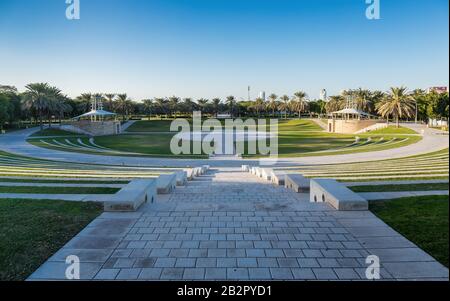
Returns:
point(15, 142)
point(228, 225)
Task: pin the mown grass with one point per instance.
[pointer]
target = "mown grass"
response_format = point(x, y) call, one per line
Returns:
point(422, 220)
point(400, 187)
point(57, 181)
point(57, 190)
point(54, 132)
point(33, 230)
point(393, 130)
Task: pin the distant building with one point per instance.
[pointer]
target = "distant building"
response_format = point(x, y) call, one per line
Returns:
point(438, 90)
point(262, 95)
point(323, 95)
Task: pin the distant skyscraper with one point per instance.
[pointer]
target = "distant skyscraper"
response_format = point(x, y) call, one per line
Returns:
point(323, 95)
point(262, 95)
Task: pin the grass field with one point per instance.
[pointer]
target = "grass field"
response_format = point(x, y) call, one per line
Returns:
point(401, 187)
point(426, 166)
point(58, 190)
point(297, 137)
point(32, 231)
point(422, 220)
point(54, 132)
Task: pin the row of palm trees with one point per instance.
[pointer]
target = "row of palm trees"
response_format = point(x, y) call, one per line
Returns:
point(42, 100)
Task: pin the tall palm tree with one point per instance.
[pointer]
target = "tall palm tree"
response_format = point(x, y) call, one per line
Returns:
point(173, 105)
point(231, 102)
point(335, 103)
point(162, 104)
point(272, 105)
point(284, 106)
point(301, 104)
point(216, 104)
point(398, 103)
point(110, 99)
point(36, 98)
point(148, 105)
point(202, 102)
point(122, 104)
point(418, 97)
point(363, 99)
point(258, 105)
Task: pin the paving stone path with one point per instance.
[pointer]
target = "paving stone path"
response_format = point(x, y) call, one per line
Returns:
point(228, 225)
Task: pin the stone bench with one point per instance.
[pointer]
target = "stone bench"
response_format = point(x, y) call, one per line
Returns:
point(132, 196)
point(266, 173)
point(205, 168)
point(277, 177)
point(166, 183)
point(337, 195)
point(297, 182)
point(245, 168)
point(181, 177)
point(190, 174)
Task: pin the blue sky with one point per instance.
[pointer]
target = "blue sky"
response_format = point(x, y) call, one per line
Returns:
point(215, 48)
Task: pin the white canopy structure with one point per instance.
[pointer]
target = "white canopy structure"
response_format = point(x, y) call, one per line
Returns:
point(96, 113)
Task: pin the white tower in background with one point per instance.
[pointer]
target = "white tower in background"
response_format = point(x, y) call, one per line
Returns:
point(323, 95)
point(262, 95)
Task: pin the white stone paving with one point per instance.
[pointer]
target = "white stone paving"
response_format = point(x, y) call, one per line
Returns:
point(228, 225)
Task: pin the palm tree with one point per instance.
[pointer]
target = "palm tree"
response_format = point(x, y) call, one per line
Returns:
point(123, 104)
point(284, 106)
point(417, 95)
point(110, 99)
point(272, 105)
point(148, 105)
point(301, 104)
point(216, 105)
point(258, 105)
point(398, 103)
point(202, 102)
point(36, 98)
point(161, 103)
point(231, 102)
point(173, 105)
point(335, 103)
point(363, 99)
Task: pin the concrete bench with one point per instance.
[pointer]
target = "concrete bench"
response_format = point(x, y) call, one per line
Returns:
point(166, 183)
point(277, 177)
point(181, 177)
point(132, 196)
point(337, 195)
point(197, 171)
point(190, 174)
point(245, 168)
point(205, 168)
point(297, 182)
point(266, 173)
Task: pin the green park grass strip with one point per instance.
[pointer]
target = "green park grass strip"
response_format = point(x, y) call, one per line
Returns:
point(33, 230)
point(422, 220)
point(58, 190)
point(393, 130)
point(55, 132)
point(401, 187)
point(399, 178)
point(56, 181)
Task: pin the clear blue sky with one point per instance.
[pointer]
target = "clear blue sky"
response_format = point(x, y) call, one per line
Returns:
point(209, 48)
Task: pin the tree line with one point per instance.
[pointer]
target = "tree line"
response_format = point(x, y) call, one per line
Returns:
point(41, 103)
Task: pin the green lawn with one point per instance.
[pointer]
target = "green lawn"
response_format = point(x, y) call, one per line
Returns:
point(392, 129)
point(297, 137)
point(402, 187)
point(58, 190)
point(54, 132)
point(423, 220)
point(33, 230)
point(52, 181)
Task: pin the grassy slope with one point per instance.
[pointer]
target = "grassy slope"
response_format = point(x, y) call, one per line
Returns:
point(52, 181)
point(406, 187)
point(393, 130)
point(32, 231)
point(297, 137)
point(58, 190)
point(423, 220)
point(54, 132)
